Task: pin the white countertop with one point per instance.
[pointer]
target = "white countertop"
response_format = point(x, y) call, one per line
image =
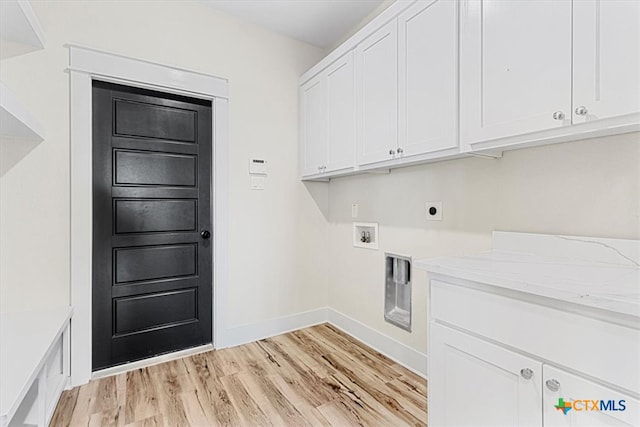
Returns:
point(598, 273)
point(25, 338)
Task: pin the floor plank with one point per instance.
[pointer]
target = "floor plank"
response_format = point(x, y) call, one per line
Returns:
point(317, 376)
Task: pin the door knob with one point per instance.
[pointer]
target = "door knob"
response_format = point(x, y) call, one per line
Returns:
point(205, 234)
point(526, 373)
point(581, 110)
point(553, 385)
point(558, 115)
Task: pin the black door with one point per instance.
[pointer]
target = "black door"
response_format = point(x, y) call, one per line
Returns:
point(151, 223)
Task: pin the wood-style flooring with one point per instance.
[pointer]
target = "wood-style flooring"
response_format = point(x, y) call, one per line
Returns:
point(317, 376)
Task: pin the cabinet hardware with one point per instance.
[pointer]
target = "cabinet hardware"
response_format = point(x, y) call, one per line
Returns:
point(400, 151)
point(553, 385)
point(392, 152)
point(558, 115)
point(526, 373)
point(581, 110)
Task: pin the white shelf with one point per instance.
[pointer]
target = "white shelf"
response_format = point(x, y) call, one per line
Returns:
point(16, 122)
point(26, 338)
point(18, 24)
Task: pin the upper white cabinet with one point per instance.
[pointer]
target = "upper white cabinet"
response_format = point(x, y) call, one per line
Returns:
point(429, 80)
point(313, 152)
point(341, 114)
point(328, 119)
point(515, 67)
point(606, 69)
point(377, 77)
point(428, 77)
point(549, 71)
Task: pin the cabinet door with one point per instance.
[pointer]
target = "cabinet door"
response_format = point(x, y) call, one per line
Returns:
point(341, 114)
point(605, 59)
point(377, 67)
point(313, 153)
point(515, 67)
point(578, 395)
point(428, 77)
point(475, 383)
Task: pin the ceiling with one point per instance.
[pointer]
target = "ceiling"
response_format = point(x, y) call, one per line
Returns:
point(321, 23)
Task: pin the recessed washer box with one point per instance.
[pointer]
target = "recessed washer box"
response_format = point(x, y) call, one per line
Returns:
point(365, 235)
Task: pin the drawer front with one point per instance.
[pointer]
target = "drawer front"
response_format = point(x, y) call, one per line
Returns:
point(597, 348)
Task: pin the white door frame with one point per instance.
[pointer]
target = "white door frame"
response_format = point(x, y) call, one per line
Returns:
point(85, 65)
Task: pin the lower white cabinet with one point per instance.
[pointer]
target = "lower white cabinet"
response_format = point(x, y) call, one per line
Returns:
point(481, 384)
point(473, 382)
point(591, 404)
point(511, 360)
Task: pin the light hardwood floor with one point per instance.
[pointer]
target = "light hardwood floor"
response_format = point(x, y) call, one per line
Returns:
point(315, 376)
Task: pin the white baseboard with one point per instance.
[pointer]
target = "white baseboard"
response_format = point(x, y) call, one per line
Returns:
point(144, 363)
point(272, 327)
point(394, 350)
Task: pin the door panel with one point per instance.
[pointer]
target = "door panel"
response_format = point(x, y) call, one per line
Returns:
point(155, 262)
point(151, 194)
point(515, 67)
point(149, 168)
point(485, 378)
point(573, 388)
point(154, 121)
point(155, 310)
point(145, 215)
point(377, 58)
point(606, 40)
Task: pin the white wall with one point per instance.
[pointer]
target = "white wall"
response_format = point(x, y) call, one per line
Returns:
point(588, 188)
point(278, 250)
point(290, 245)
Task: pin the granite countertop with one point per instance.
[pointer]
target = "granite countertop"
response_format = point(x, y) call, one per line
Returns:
point(598, 273)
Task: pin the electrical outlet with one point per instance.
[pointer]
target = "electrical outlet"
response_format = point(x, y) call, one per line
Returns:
point(354, 210)
point(434, 211)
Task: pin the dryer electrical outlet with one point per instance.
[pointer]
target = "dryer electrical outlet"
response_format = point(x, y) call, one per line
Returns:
point(434, 211)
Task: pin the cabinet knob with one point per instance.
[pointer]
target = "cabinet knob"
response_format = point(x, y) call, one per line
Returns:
point(558, 115)
point(526, 373)
point(319, 168)
point(392, 152)
point(582, 110)
point(400, 151)
point(553, 385)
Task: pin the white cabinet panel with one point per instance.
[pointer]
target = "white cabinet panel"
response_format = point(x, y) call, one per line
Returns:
point(428, 77)
point(579, 394)
point(606, 54)
point(313, 127)
point(475, 383)
point(515, 67)
point(341, 114)
point(377, 58)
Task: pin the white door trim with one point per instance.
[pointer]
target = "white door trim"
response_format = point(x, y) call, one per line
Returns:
point(85, 65)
